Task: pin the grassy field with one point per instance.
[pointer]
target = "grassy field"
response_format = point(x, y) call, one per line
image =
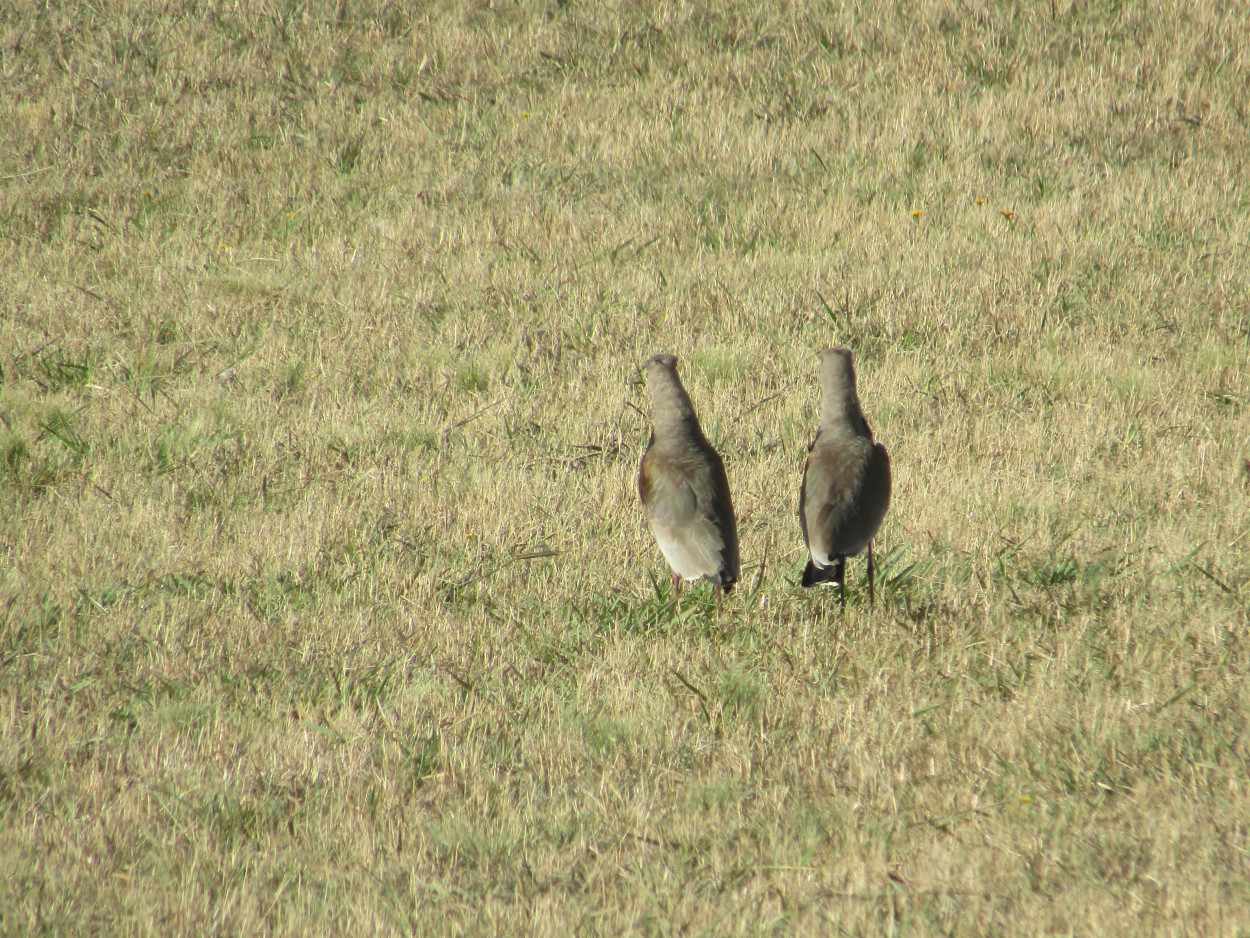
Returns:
point(326, 602)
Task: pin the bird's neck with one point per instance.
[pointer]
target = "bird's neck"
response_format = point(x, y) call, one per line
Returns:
point(671, 410)
point(839, 412)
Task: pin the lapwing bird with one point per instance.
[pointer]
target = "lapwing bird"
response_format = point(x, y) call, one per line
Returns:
point(683, 487)
point(846, 483)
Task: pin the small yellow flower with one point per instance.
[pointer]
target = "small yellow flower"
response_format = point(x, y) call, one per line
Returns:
point(915, 214)
point(525, 114)
point(1008, 214)
point(980, 200)
point(222, 246)
point(1025, 799)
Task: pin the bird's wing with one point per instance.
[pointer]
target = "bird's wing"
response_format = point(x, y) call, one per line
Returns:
point(720, 510)
point(685, 511)
point(844, 497)
point(666, 495)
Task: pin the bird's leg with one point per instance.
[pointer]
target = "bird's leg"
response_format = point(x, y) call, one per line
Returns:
point(872, 598)
point(841, 575)
point(676, 585)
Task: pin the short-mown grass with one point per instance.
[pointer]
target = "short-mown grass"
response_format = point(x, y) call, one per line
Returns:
point(326, 605)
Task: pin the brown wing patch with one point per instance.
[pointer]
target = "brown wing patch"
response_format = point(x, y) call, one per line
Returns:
point(646, 481)
point(645, 485)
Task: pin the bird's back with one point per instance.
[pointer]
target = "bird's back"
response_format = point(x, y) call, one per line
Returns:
point(845, 494)
point(685, 494)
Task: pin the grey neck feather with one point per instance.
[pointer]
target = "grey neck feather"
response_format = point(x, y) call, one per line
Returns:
point(671, 409)
point(839, 404)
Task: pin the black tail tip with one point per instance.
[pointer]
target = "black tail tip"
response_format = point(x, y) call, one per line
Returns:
point(816, 576)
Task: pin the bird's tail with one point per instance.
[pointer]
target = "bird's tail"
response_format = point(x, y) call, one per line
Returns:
point(831, 575)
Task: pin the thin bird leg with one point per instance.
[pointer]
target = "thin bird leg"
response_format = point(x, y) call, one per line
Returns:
point(676, 584)
point(841, 574)
point(872, 599)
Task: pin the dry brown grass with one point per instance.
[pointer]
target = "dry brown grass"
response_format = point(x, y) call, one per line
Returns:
point(327, 605)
